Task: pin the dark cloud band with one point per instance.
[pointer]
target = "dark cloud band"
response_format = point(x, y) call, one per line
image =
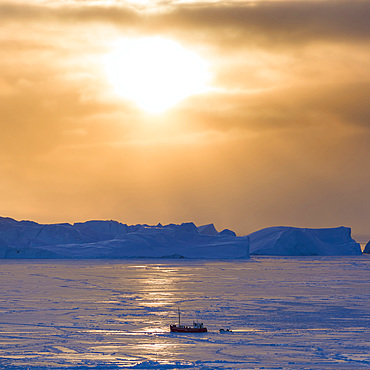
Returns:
point(280, 21)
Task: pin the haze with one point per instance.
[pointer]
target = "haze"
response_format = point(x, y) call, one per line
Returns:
point(279, 137)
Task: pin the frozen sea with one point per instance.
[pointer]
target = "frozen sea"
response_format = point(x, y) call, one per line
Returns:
point(285, 313)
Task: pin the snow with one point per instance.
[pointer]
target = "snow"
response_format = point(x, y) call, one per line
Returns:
point(292, 241)
point(285, 313)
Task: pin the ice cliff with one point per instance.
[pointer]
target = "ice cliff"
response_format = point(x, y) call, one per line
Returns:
point(111, 239)
point(291, 241)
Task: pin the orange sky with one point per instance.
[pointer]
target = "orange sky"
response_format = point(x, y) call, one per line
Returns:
point(281, 136)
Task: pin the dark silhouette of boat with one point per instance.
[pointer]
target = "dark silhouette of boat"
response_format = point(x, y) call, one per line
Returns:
point(197, 327)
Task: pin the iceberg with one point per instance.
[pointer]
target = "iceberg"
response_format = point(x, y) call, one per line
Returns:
point(227, 232)
point(207, 229)
point(293, 241)
point(112, 239)
point(367, 248)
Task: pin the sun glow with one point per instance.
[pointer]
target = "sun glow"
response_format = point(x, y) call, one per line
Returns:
point(156, 73)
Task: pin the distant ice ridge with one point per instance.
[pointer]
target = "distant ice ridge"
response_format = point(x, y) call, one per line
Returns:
point(292, 241)
point(111, 239)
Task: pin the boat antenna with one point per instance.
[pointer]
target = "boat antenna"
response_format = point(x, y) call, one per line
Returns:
point(178, 309)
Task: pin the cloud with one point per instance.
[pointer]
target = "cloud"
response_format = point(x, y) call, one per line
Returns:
point(282, 139)
point(284, 22)
point(78, 12)
point(262, 22)
point(301, 106)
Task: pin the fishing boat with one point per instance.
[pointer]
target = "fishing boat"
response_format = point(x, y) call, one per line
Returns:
point(197, 327)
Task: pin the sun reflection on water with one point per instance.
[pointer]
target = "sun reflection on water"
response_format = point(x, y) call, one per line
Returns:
point(157, 288)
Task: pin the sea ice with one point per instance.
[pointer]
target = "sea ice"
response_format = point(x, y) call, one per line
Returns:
point(284, 313)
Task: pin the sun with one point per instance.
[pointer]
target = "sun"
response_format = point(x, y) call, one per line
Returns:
point(156, 73)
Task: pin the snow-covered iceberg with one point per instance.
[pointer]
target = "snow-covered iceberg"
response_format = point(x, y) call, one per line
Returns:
point(293, 241)
point(111, 239)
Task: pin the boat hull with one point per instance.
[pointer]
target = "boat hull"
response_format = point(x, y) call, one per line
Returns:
point(186, 329)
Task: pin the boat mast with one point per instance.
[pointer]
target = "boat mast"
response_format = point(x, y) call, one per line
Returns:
point(178, 309)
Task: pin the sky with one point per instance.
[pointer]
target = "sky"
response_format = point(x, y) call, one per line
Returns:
point(245, 114)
